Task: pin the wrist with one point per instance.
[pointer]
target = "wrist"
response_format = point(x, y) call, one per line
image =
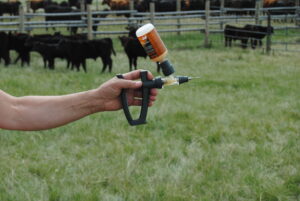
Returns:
point(96, 101)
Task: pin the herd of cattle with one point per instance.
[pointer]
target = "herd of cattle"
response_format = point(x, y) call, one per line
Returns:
point(170, 5)
point(75, 49)
point(72, 6)
point(12, 7)
point(51, 7)
point(254, 33)
point(140, 5)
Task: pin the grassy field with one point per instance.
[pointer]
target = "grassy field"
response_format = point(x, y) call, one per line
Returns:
point(231, 135)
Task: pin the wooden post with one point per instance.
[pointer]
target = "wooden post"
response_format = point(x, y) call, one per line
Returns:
point(131, 8)
point(21, 19)
point(152, 12)
point(222, 12)
point(89, 23)
point(268, 48)
point(27, 10)
point(297, 4)
point(207, 13)
point(257, 11)
point(178, 9)
point(97, 5)
point(82, 8)
point(28, 6)
point(261, 7)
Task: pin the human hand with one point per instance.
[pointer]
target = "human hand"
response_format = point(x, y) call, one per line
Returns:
point(109, 92)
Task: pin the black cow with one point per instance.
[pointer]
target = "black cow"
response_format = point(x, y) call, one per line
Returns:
point(235, 33)
point(253, 32)
point(170, 5)
point(2, 6)
point(62, 9)
point(160, 5)
point(48, 47)
point(102, 48)
point(256, 33)
point(73, 50)
point(11, 8)
point(133, 50)
point(37, 4)
point(132, 30)
point(80, 50)
point(42, 4)
point(76, 3)
point(236, 4)
point(4, 48)
point(67, 9)
point(49, 52)
point(17, 43)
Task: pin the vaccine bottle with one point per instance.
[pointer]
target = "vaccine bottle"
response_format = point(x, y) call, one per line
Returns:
point(155, 47)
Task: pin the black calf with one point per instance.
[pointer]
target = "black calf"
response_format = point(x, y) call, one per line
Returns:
point(17, 43)
point(256, 33)
point(80, 50)
point(133, 50)
point(235, 33)
point(49, 52)
point(4, 48)
point(253, 32)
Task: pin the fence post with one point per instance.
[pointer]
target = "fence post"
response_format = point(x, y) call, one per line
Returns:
point(152, 12)
point(27, 10)
point(97, 5)
point(297, 4)
point(89, 23)
point(261, 7)
point(257, 11)
point(82, 8)
point(207, 7)
point(21, 19)
point(131, 8)
point(222, 6)
point(28, 3)
point(269, 34)
point(178, 9)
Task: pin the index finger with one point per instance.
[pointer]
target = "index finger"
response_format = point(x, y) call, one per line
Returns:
point(133, 75)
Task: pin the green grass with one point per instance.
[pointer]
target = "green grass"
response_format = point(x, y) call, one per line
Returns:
point(231, 135)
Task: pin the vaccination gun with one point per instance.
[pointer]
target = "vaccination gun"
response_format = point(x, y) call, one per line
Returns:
point(157, 51)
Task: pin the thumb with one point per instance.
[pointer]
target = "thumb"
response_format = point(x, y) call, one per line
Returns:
point(128, 84)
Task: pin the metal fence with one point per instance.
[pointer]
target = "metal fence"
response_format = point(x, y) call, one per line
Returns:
point(203, 22)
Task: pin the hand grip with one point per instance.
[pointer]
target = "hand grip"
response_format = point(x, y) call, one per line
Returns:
point(145, 102)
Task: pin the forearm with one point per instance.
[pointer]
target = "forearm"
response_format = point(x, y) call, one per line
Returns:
point(44, 112)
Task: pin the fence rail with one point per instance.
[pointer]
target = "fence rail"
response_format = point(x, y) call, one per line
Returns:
point(158, 17)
